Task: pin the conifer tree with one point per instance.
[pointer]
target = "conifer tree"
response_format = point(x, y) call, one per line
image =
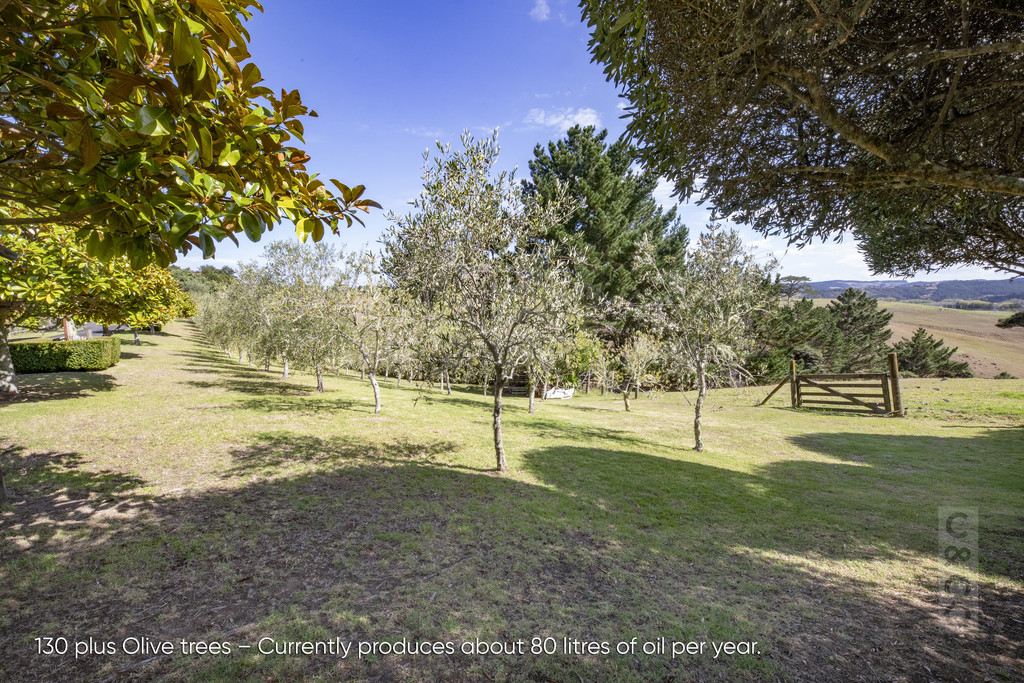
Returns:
point(926, 356)
point(865, 330)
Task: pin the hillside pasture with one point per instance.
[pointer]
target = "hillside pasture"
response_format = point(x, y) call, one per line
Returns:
point(988, 349)
point(184, 495)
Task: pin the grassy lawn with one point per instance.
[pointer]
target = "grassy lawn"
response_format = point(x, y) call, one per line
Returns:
point(183, 495)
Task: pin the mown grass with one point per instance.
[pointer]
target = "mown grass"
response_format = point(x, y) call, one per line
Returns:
point(182, 494)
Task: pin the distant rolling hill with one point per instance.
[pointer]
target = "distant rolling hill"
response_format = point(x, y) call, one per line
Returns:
point(994, 291)
point(989, 349)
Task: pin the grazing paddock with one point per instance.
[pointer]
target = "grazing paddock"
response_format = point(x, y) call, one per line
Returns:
point(182, 496)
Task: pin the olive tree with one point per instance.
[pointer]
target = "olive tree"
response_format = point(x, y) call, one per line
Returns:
point(473, 252)
point(365, 311)
point(637, 356)
point(703, 308)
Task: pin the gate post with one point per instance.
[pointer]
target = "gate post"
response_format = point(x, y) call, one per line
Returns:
point(894, 384)
point(794, 392)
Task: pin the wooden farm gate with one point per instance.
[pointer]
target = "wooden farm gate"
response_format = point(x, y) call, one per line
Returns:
point(875, 393)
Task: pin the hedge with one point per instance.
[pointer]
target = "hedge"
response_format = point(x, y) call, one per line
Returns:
point(58, 356)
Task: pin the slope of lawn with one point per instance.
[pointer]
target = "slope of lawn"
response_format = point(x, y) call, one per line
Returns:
point(181, 495)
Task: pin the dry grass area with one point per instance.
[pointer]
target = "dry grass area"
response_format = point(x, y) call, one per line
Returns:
point(182, 496)
point(988, 349)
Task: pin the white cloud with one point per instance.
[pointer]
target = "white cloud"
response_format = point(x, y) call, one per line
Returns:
point(540, 11)
point(423, 131)
point(563, 119)
point(663, 194)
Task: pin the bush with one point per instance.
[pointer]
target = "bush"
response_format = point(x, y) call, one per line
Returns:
point(59, 356)
point(1004, 375)
point(926, 356)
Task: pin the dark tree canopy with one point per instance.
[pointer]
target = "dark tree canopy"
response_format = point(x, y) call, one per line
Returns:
point(901, 121)
point(864, 328)
point(614, 211)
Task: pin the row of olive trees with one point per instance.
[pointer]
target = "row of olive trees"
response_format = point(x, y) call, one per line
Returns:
point(312, 307)
point(472, 286)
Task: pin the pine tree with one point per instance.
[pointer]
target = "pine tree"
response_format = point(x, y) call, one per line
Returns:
point(865, 332)
point(926, 356)
point(614, 211)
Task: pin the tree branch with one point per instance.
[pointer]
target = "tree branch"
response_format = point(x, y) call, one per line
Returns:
point(62, 219)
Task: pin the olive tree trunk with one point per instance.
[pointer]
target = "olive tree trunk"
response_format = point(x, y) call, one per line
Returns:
point(702, 392)
point(285, 359)
point(376, 393)
point(319, 380)
point(499, 447)
point(625, 396)
point(135, 331)
point(533, 406)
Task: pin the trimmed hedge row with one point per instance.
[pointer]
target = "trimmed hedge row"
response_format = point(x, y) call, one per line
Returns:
point(58, 356)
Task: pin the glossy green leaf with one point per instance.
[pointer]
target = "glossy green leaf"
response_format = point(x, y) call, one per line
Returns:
point(154, 120)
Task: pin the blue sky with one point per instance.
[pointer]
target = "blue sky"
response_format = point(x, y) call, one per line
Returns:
point(389, 78)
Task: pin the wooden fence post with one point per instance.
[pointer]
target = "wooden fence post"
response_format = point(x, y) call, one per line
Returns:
point(794, 392)
point(894, 384)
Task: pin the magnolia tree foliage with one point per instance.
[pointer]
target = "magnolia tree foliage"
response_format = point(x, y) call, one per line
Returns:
point(145, 126)
point(703, 308)
point(55, 277)
point(896, 120)
point(473, 253)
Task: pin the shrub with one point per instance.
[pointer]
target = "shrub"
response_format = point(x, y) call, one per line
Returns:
point(926, 356)
point(1015, 320)
point(1004, 375)
point(59, 356)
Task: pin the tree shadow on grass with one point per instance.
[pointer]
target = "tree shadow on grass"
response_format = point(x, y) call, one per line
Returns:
point(56, 386)
point(304, 403)
point(272, 451)
point(379, 543)
point(50, 491)
point(243, 386)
